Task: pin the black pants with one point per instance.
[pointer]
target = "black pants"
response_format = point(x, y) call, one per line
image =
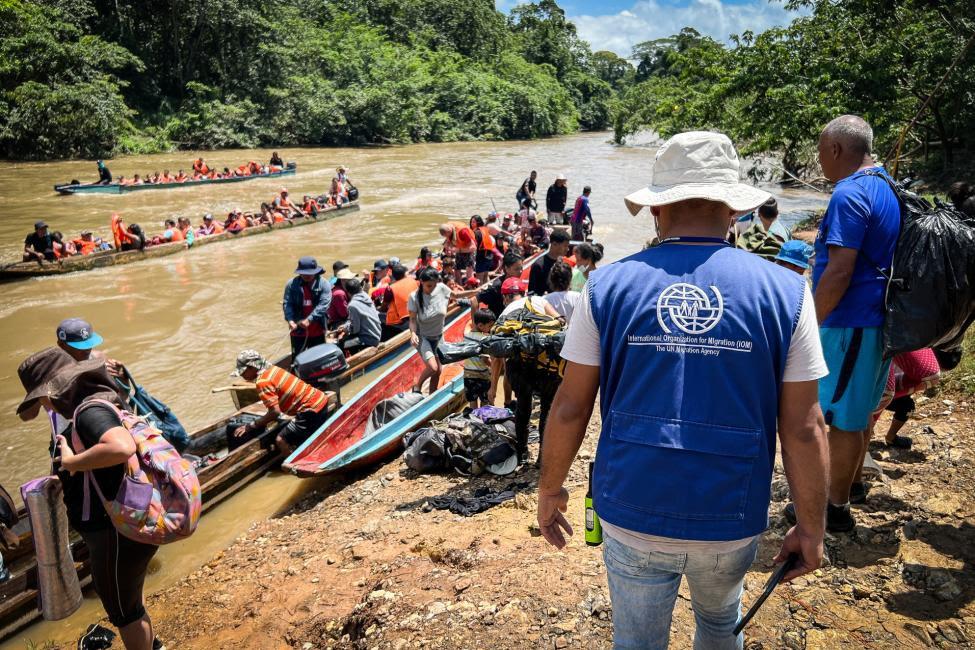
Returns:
point(300, 342)
point(118, 572)
point(529, 381)
point(303, 426)
point(389, 331)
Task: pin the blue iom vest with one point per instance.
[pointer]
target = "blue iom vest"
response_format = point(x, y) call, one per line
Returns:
point(694, 340)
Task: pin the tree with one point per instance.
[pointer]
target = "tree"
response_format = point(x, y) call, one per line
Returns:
point(612, 68)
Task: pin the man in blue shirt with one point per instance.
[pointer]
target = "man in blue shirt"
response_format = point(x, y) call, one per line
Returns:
point(307, 297)
point(700, 353)
point(854, 249)
point(579, 214)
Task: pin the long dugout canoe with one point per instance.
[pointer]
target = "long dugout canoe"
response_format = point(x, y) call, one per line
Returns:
point(22, 270)
point(115, 188)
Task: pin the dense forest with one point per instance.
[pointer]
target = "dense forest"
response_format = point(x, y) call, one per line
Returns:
point(899, 63)
point(88, 78)
point(96, 77)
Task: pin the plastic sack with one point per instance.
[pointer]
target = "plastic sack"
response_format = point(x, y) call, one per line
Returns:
point(425, 450)
point(391, 408)
point(448, 352)
point(931, 296)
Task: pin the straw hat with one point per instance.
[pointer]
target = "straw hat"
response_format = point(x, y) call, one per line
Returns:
point(697, 165)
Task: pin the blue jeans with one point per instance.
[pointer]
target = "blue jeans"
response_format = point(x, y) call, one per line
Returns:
point(643, 588)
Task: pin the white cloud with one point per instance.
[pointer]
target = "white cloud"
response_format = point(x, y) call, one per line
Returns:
point(650, 19)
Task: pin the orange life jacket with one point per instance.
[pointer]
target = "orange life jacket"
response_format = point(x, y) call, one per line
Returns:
point(118, 232)
point(243, 171)
point(487, 239)
point(177, 234)
point(253, 167)
point(306, 208)
point(398, 310)
point(84, 247)
point(273, 169)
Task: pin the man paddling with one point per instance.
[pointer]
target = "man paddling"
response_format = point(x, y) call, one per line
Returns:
point(282, 394)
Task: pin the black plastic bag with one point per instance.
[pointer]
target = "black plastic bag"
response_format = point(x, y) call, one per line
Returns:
point(448, 352)
point(931, 296)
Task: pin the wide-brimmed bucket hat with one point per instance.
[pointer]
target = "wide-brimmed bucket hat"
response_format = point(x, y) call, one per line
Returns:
point(37, 370)
point(697, 165)
point(80, 382)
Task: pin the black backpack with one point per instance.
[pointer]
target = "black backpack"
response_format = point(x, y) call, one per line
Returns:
point(931, 290)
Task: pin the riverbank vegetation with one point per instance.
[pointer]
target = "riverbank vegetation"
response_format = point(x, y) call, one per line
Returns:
point(87, 78)
point(893, 62)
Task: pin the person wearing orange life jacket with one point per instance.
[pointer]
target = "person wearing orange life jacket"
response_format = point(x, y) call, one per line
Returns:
point(85, 243)
point(209, 227)
point(283, 203)
point(254, 168)
point(200, 167)
point(487, 257)
point(459, 241)
point(181, 177)
point(395, 302)
point(425, 260)
point(166, 177)
point(309, 206)
point(243, 170)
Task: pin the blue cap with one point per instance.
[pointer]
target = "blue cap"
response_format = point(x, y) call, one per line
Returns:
point(795, 251)
point(308, 266)
point(78, 334)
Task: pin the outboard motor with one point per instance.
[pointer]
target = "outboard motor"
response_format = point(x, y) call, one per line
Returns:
point(318, 365)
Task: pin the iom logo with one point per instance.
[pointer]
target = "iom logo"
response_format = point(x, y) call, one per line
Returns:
point(689, 308)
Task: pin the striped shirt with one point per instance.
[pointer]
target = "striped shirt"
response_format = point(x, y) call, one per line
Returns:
point(279, 388)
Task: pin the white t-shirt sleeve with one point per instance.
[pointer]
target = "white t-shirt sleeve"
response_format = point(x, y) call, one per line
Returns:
point(582, 336)
point(805, 361)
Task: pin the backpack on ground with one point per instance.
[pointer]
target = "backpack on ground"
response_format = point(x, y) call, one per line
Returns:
point(466, 444)
point(159, 499)
point(931, 290)
point(426, 450)
point(538, 336)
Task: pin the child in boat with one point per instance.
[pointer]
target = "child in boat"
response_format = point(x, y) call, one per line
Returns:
point(282, 394)
point(477, 369)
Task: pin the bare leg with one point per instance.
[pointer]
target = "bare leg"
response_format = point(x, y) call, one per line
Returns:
point(137, 635)
point(895, 427)
point(283, 446)
point(431, 369)
point(867, 435)
point(846, 450)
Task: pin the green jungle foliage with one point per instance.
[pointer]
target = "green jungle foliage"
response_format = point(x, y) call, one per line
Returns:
point(774, 91)
point(89, 78)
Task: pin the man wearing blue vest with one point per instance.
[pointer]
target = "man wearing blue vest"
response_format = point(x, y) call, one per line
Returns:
point(854, 250)
point(699, 352)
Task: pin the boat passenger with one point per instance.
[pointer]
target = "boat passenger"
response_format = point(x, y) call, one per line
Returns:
point(104, 175)
point(186, 230)
point(227, 173)
point(118, 564)
point(486, 258)
point(284, 204)
point(62, 248)
point(200, 166)
point(338, 310)
point(124, 181)
point(282, 394)
point(156, 177)
point(427, 308)
point(180, 177)
point(210, 226)
point(537, 233)
point(126, 238)
point(39, 245)
point(363, 329)
point(137, 180)
point(85, 244)
point(276, 160)
point(307, 298)
point(167, 177)
point(309, 206)
point(395, 302)
point(171, 234)
point(337, 195)
point(242, 170)
point(254, 168)
point(460, 243)
point(236, 221)
point(342, 174)
point(512, 266)
point(426, 259)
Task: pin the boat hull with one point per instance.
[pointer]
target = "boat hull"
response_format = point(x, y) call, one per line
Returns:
point(23, 270)
point(343, 444)
point(115, 188)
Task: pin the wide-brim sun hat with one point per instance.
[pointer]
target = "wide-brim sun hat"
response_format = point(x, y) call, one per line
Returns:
point(697, 165)
point(345, 274)
point(37, 370)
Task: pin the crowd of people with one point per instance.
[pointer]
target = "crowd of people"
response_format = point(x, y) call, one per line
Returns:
point(200, 171)
point(706, 353)
point(43, 246)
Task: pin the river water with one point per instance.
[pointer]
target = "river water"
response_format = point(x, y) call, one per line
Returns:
point(178, 322)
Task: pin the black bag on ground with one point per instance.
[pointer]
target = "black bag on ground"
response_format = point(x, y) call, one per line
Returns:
point(476, 448)
point(425, 450)
point(931, 295)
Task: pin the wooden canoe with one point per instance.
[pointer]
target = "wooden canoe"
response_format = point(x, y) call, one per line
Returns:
point(227, 474)
point(115, 188)
point(22, 270)
point(342, 442)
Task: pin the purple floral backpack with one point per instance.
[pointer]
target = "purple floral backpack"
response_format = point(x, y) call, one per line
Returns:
point(159, 499)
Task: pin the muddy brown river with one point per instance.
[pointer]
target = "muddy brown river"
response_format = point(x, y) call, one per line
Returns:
point(177, 322)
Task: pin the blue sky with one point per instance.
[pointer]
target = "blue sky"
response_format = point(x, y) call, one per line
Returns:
point(617, 25)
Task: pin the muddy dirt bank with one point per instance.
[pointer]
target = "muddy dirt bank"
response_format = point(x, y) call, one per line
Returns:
point(366, 563)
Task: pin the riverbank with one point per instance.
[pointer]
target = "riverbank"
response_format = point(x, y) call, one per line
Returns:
point(362, 563)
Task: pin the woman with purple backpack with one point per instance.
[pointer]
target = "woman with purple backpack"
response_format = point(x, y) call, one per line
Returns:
point(118, 564)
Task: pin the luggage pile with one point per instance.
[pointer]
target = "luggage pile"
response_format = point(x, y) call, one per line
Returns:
point(481, 442)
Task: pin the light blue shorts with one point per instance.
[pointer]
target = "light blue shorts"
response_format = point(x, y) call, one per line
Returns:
point(857, 375)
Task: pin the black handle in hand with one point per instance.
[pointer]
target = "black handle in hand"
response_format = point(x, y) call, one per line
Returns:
point(774, 579)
